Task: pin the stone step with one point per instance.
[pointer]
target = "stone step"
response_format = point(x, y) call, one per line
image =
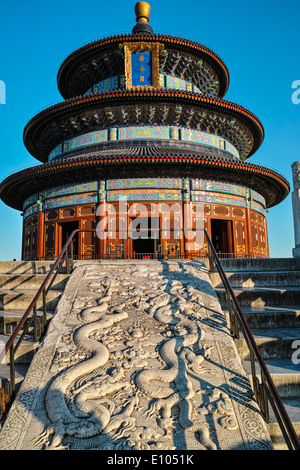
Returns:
point(26, 267)
point(269, 294)
point(292, 407)
point(10, 318)
point(20, 372)
point(19, 376)
point(271, 317)
point(285, 375)
point(30, 281)
point(258, 279)
point(260, 264)
point(274, 343)
point(261, 297)
point(25, 351)
point(17, 300)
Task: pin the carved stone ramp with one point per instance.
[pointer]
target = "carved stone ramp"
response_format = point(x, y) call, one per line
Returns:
point(137, 357)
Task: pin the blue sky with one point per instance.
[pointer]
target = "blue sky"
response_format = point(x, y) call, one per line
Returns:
point(258, 40)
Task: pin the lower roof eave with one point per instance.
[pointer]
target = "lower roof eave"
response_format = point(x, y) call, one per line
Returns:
point(19, 186)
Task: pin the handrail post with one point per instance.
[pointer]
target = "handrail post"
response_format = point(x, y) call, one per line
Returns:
point(12, 368)
point(35, 325)
point(265, 403)
point(44, 307)
point(234, 327)
point(210, 259)
point(69, 259)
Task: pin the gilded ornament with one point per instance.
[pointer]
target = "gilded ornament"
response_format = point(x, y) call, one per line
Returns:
point(142, 11)
point(154, 48)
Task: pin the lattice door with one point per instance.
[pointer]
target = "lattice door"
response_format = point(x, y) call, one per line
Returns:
point(50, 241)
point(240, 237)
point(88, 239)
point(115, 241)
point(262, 241)
point(30, 238)
point(255, 239)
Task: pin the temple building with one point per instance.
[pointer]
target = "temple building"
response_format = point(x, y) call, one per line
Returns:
point(145, 149)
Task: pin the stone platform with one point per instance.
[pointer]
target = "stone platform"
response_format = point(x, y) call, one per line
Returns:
point(137, 357)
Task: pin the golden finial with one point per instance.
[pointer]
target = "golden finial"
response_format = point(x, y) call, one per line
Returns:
point(142, 11)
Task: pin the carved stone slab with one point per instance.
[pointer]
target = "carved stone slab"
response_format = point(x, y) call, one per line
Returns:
point(137, 357)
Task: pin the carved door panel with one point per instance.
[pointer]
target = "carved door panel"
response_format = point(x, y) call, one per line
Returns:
point(255, 239)
point(50, 241)
point(240, 238)
point(30, 238)
point(88, 239)
point(114, 247)
point(262, 241)
point(171, 224)
point(27, 243)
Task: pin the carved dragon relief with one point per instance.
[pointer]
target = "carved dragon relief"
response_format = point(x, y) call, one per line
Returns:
point(130, 375)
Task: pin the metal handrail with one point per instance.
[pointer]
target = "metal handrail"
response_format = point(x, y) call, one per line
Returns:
point(9, 389)
point(264, 391)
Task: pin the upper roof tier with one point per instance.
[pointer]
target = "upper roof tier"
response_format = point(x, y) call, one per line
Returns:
point(104, 58)
point(84, 114)
point(142, 79)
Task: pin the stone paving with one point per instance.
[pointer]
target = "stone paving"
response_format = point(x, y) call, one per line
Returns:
point(137, 357)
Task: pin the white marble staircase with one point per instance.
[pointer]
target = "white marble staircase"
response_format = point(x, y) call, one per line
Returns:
point(268, 291)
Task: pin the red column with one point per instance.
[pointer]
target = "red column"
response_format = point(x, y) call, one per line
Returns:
point(266, 238)
point(188, 233)
point(101, 220)
point(249, 247)
point(40, 251)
